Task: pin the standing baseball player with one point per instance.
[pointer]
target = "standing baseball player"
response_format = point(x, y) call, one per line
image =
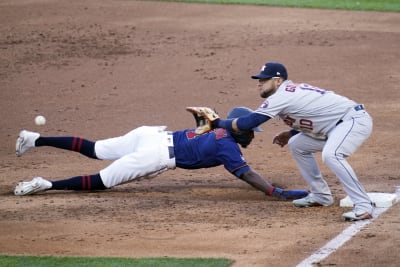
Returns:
point(148, 151)
point(321, 121)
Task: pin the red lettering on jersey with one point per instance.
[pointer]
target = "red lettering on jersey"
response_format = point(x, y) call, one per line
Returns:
point(290, 88)
point(306, 124)
point(191, 134)
point(220, 133)
point(289, 121)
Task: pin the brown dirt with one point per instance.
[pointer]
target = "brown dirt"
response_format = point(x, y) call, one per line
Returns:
point(100, 68)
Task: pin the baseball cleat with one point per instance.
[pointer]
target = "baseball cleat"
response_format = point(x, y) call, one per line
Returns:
point(353, 216)
point(308, 201)
point(25, 141)
point(37, 184)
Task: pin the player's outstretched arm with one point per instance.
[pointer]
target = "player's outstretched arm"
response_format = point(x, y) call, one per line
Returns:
point(243, 123)
point(258, 182)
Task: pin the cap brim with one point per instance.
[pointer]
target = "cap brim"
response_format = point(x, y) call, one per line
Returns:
point(261, 76)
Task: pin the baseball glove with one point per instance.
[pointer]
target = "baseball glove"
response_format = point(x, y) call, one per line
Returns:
point(282, 138)
point(204, 117)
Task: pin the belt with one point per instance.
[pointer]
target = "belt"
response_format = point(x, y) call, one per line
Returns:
point(356, 108)
point(359, 107)
point(171, 150)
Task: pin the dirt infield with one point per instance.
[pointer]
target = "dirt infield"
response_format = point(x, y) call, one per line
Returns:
point(98, 69)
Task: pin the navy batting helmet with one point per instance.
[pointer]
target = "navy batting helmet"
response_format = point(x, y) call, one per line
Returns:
point(241, 111)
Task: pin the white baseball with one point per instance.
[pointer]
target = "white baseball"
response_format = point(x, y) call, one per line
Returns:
point(40, 120)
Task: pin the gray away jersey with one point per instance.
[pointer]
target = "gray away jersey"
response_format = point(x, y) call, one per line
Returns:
point(306, 108)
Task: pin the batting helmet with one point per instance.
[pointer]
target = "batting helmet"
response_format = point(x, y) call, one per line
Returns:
point(242, 111)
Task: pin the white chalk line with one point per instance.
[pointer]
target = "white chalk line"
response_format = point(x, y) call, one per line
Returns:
point(342, 238)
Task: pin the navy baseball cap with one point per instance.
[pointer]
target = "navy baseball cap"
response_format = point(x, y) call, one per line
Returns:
point(270, 70)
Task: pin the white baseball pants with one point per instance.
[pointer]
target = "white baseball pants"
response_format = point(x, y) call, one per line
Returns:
point(143, 152)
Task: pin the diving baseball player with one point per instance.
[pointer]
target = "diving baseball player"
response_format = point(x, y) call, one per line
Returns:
point(321, 121)
point(148, 151)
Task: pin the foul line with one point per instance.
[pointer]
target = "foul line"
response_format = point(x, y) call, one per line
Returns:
point(342, 238)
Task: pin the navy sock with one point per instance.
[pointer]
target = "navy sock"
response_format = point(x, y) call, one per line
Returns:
point(72, 143)
point(79, 183)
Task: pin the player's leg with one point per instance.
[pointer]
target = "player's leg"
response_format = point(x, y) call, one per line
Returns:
point(117, 147)
point(134, 166)
point(28, 140)
point(72, 143)
point(303, 148)
point(111, 148)
point(130, 167)
point(343, 141)
point(149, 159)
point(78, 183)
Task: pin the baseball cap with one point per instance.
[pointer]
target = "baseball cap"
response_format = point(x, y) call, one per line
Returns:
point(242, 111)
point(270, 70)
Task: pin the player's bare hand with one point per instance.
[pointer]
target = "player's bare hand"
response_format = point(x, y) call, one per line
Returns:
point(282, 138)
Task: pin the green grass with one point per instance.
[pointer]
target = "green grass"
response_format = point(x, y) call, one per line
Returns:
point(42, 261)
point(368, 5)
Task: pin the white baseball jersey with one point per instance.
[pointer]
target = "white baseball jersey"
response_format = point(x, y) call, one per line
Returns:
point(306, 108)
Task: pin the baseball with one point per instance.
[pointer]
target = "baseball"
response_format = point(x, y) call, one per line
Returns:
point(40, 120)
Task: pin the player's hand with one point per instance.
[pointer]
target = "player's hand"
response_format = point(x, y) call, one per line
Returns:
point(293, 194)
point(282, 138)
point(289, 194)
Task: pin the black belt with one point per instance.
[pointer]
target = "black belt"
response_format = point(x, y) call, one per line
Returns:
point(359, 107)
point(171, 152)
point(356, 108)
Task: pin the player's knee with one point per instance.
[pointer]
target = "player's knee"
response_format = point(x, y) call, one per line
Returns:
point(291, 147)
point(330, 156)
point(295, 147)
